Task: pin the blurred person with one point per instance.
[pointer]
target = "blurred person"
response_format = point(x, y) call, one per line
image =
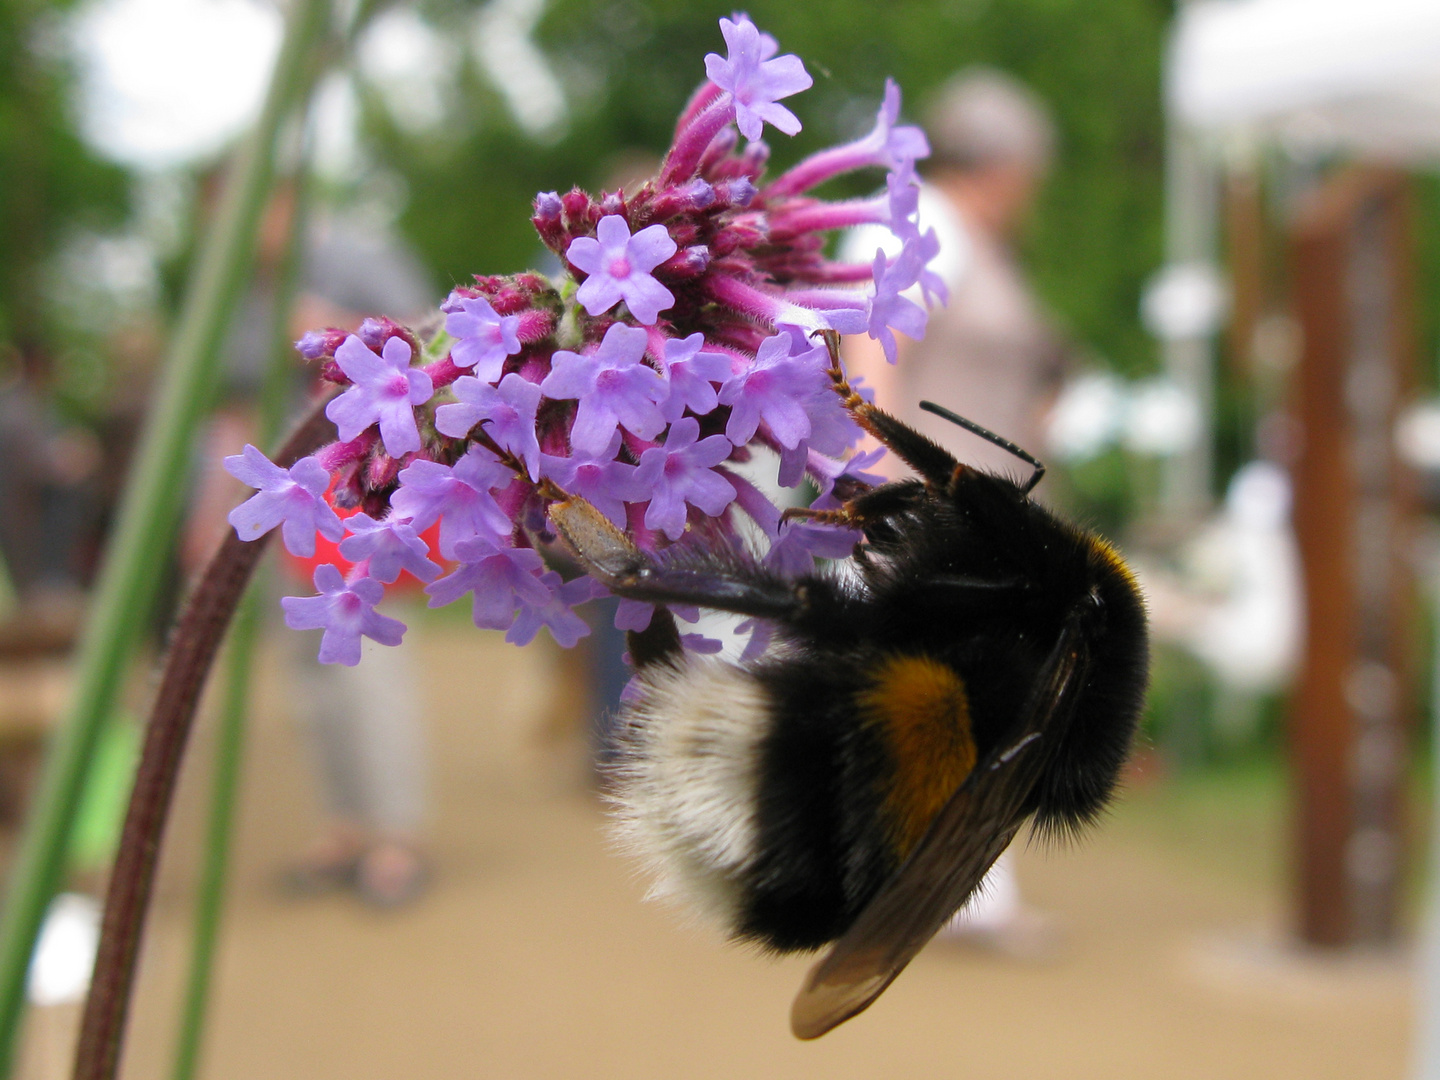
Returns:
point(990, 353)
point(361, 724)
point(48, 468)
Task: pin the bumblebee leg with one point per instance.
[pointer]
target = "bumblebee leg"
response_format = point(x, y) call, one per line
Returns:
point(614, 560)
point(870, 511)
point(934, 464)
point(841, 517)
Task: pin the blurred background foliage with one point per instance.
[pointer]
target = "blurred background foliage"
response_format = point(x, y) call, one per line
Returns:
point(51, 184)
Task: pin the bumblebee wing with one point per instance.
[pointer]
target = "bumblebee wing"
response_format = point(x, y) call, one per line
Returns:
point(966, 837)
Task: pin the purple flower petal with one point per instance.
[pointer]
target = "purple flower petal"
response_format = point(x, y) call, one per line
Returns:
point(485, 339)
point(508, 412)
point(385, 391)
point(754, 81)
point(887, 307)
point(774, 389)
point(691, 374)
point(679, 473)
point(802, 542)
point(459, 497)
point(293, 498)
point(346, 612)
point(613, 387)
point(619, 266)
point(391, 546)
point(502, 579)
point(555, 613)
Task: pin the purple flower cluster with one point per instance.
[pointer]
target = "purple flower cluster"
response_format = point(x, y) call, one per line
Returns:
point(678, 337)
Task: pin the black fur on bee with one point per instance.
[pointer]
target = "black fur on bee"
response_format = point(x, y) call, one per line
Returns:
point(785, 794)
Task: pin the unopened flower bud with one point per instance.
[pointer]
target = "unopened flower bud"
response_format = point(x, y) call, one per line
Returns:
point(375, 332)
point(737, 192)
point(548, 207)
point(690, 262)
point(613, 202)
point(577, 209)
point(689, 197)
point(320, 344)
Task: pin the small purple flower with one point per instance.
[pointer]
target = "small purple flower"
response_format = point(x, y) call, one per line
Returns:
point(756, 81)
point(691, 373)
point(762, 633)
point(345, 611)
point(888, 308)
point(294, 496)
point(680, 473)
point(755, 503)
point(636, 614)
point(633, 615)
point(606, 483)
point(564, 625)
point(902, 189)
point(508, 412)
point(854, 469)
point(773, 389)
point(903, 197)
point(320, 344)
point(484, 339)
point(386, 390)
point(613, 386)
point(458, 496)
point(893, 145)
point(619, 266)
point(832, 431)
point(699, 643)
point(932, 285)
point(502, 579)
point(391, 546)
point(801, 542)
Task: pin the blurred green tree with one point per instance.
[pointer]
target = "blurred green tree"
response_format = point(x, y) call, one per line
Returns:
point(50, 181)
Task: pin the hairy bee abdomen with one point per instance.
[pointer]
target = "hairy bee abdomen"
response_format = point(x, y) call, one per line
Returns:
point(779, 799)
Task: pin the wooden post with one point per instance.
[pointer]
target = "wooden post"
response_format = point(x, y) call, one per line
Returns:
point(1353, 515)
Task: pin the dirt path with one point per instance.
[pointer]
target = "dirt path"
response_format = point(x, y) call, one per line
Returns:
point(534, 957)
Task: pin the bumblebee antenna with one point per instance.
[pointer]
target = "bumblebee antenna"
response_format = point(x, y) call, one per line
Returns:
point(990, 436)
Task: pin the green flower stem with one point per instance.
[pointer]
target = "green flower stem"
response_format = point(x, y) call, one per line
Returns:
point(230, 735)
point(197, 639)
point(145, 529)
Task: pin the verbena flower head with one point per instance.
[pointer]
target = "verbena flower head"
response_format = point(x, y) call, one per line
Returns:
point(677, 339)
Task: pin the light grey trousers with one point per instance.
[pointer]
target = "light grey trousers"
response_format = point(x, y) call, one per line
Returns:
point(364, 729)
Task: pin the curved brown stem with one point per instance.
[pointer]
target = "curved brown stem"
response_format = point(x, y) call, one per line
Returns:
point(195, 642)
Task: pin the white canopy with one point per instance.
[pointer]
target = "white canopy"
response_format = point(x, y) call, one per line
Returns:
point(1357, 74)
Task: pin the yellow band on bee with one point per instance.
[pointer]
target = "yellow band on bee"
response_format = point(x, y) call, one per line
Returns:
point(920, 707)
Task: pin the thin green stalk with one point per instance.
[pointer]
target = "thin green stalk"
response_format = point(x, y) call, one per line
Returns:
point(146, 524)
point(230, 736)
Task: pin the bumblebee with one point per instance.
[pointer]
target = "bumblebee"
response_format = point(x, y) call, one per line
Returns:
point(981, 662)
